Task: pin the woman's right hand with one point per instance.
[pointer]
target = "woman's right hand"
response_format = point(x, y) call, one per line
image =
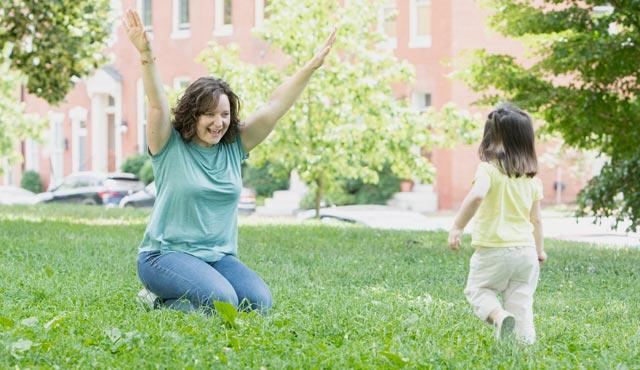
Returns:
point(135, 31)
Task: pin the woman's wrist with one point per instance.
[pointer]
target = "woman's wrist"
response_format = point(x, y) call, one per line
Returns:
point(146, 57)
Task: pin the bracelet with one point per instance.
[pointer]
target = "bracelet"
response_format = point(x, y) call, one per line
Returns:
point(144, 62)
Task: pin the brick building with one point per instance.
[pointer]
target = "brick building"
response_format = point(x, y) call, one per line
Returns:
point(102, 120)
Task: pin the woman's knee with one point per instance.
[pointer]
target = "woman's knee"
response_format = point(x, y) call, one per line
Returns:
point(259, 300)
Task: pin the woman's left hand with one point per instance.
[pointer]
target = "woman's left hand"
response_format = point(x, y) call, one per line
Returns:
point(318, 59)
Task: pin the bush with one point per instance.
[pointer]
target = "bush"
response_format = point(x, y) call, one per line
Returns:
point(266, 179)
point(351, 191)
point(31, 181)
point(146, 173)
point(134, 164)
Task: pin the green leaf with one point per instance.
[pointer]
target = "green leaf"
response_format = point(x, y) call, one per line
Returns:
point(395, 359)
point(227, 312)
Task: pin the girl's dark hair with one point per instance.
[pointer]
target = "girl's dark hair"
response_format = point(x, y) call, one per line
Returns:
point(509, 142)
point(200, 97)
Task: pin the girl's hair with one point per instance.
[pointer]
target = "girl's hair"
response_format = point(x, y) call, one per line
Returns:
point(509, 142)
point(200, 97)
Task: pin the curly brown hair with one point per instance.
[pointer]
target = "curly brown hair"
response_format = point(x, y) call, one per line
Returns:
point(201, 96)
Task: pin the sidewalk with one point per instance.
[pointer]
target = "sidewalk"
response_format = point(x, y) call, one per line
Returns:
point(557, 225)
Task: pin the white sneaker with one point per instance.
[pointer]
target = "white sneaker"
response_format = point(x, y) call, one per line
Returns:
point(505, 325)
point(148, 299)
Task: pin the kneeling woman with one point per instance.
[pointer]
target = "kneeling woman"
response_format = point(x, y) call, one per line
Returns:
point(187, 258)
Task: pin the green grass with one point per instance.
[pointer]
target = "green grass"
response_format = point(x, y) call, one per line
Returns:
point(344, 297)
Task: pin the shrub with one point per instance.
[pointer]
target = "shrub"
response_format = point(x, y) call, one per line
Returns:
point(146, 173)
point(266, 179)
point(31, 181)
point(351, 191)
point(134, 164)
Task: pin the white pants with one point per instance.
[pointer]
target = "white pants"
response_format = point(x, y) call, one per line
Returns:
point(512, 272)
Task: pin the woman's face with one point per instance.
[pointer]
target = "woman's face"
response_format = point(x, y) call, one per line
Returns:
point(214, 123)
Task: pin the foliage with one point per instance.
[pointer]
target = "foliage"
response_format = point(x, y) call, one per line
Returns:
point(583, 82)
point(15, 125)
point(356, 191)
point(345, 297)
point(31, 181)
point(134, 164)
point(146, 173)
point(265, 179)
point(347, 123)
point(54, 43)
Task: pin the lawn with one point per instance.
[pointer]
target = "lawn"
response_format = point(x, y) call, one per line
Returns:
point(344, 297)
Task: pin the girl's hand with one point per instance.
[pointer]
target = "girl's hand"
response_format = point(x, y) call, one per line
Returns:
point(454, 238)
point(542, 257)
point(318, 59)
point(135, 31)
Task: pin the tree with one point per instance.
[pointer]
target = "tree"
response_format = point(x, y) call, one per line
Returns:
point(54, 43)
point(15, 125)
point(583, 83)
point(347, 123)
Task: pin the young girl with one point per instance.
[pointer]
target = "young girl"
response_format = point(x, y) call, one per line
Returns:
point(507, 233)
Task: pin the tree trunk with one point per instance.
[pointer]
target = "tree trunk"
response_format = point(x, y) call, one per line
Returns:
point(318, 195)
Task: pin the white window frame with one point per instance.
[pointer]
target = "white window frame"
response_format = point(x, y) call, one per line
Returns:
point(141, 122)
point(416, 41)
point(77, 115)
point(391, 42)
point(139, 6)
point(179, 32)
point(417, 98)
point(259, 16)
point(219, 27)
point(56, 145)
point(31, 155)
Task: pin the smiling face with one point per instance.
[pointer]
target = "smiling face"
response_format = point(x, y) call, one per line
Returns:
point(214, 123)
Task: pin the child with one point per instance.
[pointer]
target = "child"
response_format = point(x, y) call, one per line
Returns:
point(507, 233)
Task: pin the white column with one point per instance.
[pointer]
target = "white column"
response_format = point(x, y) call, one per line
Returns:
point(56, 143)
point(99, 132)
point(77, 115)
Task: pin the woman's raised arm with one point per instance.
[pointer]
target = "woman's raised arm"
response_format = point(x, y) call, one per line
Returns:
point(259, 125)
point(158, 121)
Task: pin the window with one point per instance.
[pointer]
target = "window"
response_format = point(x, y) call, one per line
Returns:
point(183, 14)
point(387, 24)
point(420, 24)
point(261, 13)
point(32, 155)
point(145, 13)
point(223, 18)
point(421, 101)
point(79, 157)
point(181, 25)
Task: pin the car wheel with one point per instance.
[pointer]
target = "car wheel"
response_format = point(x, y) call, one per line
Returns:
point(89, 202)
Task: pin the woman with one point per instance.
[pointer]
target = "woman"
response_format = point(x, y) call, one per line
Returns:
point(187, 259)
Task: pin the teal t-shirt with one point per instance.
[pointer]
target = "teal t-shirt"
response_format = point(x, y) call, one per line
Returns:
point(197, 193)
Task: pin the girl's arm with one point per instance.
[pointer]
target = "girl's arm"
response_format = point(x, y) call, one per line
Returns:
point(158, 125)
point(259, 125)
point(536, 220)
point(468, 209)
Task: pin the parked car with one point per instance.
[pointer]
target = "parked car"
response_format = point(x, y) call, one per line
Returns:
point(147, 196)
point(377, 216)
point(93, 188)
point(15, 195)
point(143, 198)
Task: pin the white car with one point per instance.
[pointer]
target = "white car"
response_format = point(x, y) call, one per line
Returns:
point(15, 195)
point(377, 216)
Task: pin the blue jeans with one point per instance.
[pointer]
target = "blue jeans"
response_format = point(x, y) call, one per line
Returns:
point(187, 283)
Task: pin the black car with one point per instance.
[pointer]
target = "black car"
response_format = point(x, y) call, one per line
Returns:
point(93, 188)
